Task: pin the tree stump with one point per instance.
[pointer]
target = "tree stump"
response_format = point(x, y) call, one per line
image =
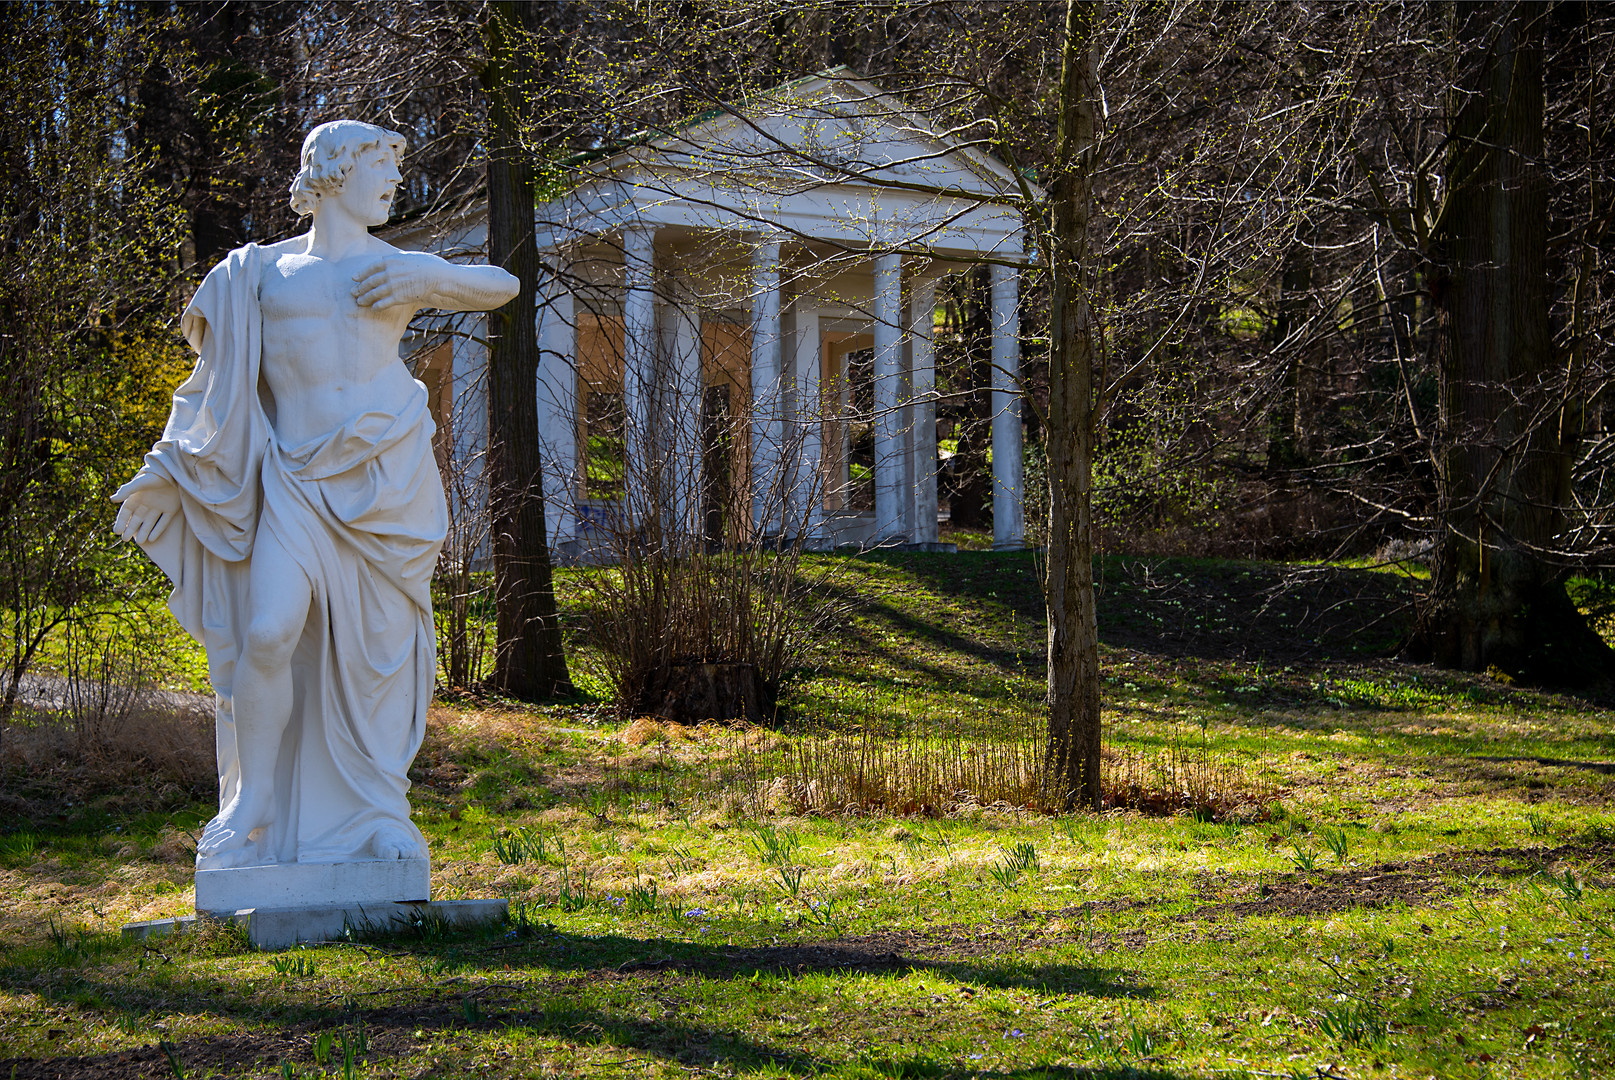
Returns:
point(693, 692)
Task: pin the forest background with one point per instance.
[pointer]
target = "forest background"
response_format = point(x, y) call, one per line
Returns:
point(1317, 282)
point(1317, 350)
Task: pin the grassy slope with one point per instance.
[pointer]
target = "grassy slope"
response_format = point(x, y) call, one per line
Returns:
point(658, 936)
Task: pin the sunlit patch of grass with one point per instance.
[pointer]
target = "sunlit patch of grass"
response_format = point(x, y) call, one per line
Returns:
point(1412, 569)
point(1108, 986)
point(1398, 693)
point(671, 915)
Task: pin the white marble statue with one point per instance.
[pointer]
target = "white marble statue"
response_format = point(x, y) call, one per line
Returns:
point(295, 504)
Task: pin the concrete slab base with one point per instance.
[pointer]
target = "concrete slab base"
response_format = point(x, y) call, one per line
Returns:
point(312, 885)
point(282, 928)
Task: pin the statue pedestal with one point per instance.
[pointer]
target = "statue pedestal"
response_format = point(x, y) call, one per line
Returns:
point(283, 928)
point(313, 885)
point(286, 904)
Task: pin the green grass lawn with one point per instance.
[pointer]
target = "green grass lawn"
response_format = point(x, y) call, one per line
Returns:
point(1412, 878)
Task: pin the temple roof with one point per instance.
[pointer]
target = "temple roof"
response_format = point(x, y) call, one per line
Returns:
point(828, 158)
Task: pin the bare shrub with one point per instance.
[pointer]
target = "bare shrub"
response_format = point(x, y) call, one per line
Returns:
point(104, 681)
point(693, 627)
point(465, 591)
point(158, 756)
point(912, 773)
point(462, 584)
point(1182, 779)
point(704, 635)
point(917, 772)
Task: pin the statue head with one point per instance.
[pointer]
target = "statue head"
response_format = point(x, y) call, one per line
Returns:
point(329, 153)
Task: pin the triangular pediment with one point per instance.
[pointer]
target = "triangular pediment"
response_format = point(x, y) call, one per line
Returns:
point(827, 158)
point(831, 128)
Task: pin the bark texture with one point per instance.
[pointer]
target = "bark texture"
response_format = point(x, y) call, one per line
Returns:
point(1071, 775)
point(529, 662)
point(694, 692)
point(1498, 598)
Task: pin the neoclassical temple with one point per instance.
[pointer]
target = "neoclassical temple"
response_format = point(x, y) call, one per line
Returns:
point(736, 324)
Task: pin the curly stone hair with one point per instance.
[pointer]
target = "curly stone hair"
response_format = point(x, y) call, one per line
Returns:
point(328, 155)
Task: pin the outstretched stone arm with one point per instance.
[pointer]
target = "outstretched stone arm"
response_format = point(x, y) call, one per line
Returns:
point(423, 280)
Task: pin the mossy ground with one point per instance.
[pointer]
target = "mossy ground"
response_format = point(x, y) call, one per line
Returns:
point(1431, 896)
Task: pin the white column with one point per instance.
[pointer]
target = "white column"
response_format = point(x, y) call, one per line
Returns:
point(558, 403)
point(639, 373)
point(888, 419)
point(1009, 514)
point(685, 412)
point(807, 492)
point(766, 388)
point(905, 412)
point(470, 423)
point(922, 378)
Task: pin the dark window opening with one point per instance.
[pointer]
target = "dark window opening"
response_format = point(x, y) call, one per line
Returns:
point(607, 448)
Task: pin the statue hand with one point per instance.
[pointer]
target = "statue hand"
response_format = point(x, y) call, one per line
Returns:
point(150, 503)
point(407, 277)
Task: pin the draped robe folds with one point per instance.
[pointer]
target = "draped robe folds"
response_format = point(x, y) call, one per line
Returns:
point(362, 511)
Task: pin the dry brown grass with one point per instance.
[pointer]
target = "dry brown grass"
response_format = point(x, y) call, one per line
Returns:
point(158, 756)
point(648, 729)
point(906, 774)
point(1183, 780)
point(932, 776)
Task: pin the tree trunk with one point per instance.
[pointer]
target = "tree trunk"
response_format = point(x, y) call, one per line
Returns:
point(1071, 774)
point(1497, 598)
point(528, 662)
point(693, 692)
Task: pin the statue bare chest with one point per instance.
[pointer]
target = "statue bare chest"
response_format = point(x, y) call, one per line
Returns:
point(299, 288)
point(324, 356)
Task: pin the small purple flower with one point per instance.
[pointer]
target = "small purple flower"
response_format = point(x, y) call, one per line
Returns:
point(1015, 1033)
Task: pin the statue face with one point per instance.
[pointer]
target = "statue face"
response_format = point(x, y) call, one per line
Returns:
point(367, 190)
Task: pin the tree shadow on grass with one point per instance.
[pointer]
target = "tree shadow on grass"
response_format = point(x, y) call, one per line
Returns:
point(396, 1032)
point(1209, 608)
point(875, 959)
point(1432, 729)
point(884, 613)
point(1605, 768)
point(566, 966)
point(538, 948)
point(919, 1067)
point(611, 957)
